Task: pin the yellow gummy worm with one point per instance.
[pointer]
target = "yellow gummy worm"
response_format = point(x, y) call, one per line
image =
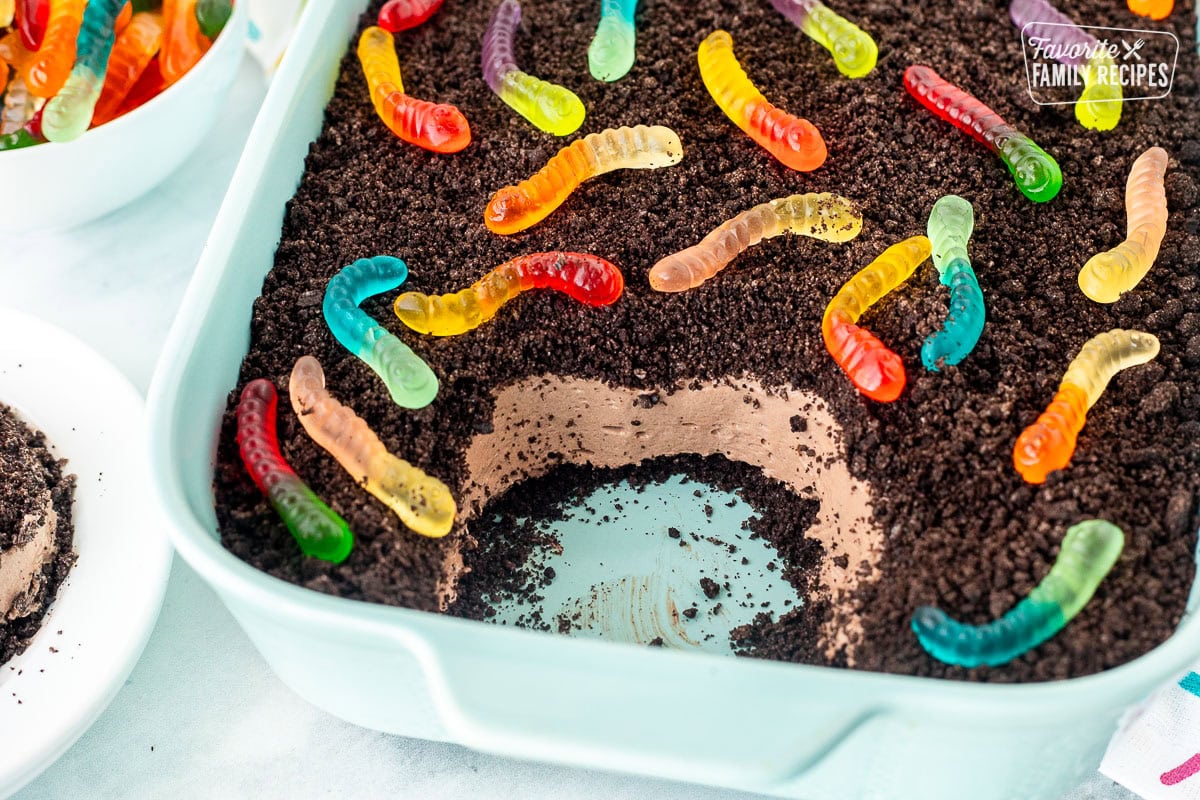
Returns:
point(422, 502)
point(794, 141)
point(515, 208)
point(1099, 106)
point(853, 50)
point(1106, 276)
point(1106, 354)
point(381, 65)
point(825, 216)
point(872, 283)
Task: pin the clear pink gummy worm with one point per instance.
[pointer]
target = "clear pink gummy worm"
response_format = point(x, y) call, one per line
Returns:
point(422, 502)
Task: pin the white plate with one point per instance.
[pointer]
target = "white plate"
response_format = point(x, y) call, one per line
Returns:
point(105, 610)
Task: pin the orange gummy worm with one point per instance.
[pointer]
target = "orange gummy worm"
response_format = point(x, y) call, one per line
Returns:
point(124, 17)
point(1047, 445)
point(1154, 9)
point(131, 54)
point(183, 44)
point(47, 71)
point(870, 365)
point(13, 52)
point(438, 127)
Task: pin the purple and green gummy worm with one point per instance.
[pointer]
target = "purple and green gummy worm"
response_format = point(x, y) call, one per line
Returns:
point(408, 378)
point(1088, 553)
point(69, 113)
point(853, 50)
point(550, 107)
point(317, 528)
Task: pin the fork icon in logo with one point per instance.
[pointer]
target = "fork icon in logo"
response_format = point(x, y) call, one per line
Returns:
point(1132, 49)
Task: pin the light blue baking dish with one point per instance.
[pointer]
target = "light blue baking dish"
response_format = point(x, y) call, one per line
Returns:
point(792, 731)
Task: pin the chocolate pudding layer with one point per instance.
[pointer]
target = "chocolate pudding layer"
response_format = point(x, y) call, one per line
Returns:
point(35, 531)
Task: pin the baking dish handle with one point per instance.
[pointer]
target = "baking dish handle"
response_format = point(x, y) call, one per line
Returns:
point(714, 720)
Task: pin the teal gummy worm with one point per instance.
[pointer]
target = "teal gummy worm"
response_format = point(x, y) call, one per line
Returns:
point(408, 378)
point(1088, 553)
point(950, 225)
point(611, 54)
point(69, 113)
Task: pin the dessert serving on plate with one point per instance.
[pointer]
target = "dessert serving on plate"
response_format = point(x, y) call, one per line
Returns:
point(35, 531)
point(956, 386)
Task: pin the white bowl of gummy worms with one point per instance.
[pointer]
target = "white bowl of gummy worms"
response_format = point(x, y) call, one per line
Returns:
point(120, 110)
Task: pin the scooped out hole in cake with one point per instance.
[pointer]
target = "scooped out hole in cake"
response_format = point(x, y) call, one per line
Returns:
point(553, 437)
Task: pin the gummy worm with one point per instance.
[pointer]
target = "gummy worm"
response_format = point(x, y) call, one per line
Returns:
point(14, 53)
point(148, 86)
point(27, 136)
point(853, 50)
point(439, 127)
point(19, 139)
point(589, 279)
point(874, 370)
point(317, 528)
point(400, 15)
point(124, 16)
point(131, 55)
point(69, 113)
point(212, 15)
point(1036, 174)
point(794, 141)
point(47, 71)
point(548, 106)
point(1047, 445)
point(515, 208)
point(8, 9)
point(410, 381)
point(1038, 19)
point(825, 216)
point(183, 43)
point(1106, 276)
point(1087, 555)
point(32, 16)
point(950, 224)
point(1099, 106)
point(1154, 9)
point(423, 503)
point(611, 54)
point(18, 106)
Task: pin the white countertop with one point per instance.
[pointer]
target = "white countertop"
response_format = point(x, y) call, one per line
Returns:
point(202, 715)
